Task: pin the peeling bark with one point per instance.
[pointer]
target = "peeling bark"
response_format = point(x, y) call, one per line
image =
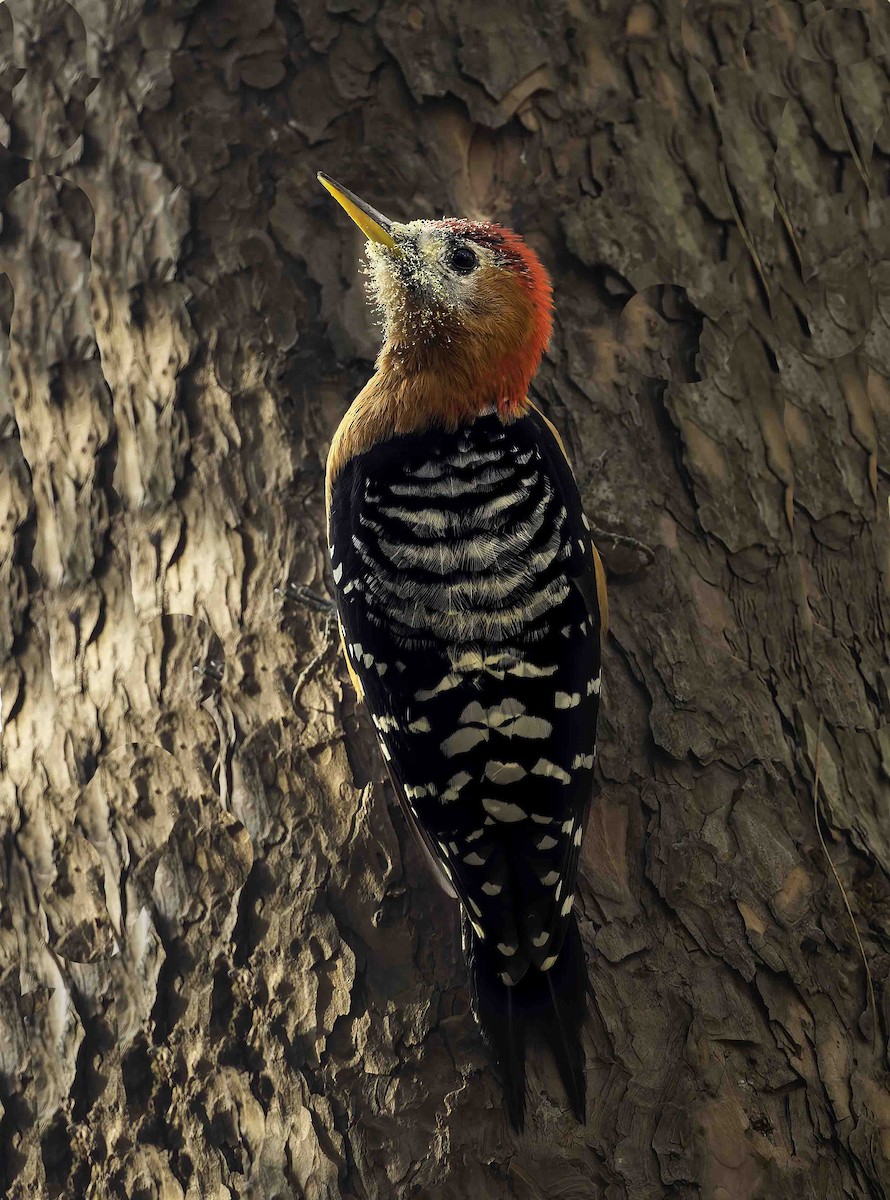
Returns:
point(224, 969)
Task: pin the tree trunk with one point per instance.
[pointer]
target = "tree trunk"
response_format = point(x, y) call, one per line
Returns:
point(224, 968)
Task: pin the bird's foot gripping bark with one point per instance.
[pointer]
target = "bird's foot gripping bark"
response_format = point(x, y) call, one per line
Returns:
point(299, 593)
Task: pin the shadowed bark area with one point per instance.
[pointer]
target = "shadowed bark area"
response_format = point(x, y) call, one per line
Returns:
point(224, 968)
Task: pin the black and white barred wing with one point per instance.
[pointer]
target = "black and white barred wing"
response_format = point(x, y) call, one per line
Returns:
point(574, 737)
point(369, 650)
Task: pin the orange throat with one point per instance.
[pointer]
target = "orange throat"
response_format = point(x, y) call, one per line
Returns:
point(445, 384)
point(451, 366)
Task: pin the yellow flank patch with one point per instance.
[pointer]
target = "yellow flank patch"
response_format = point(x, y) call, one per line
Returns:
point(555, 433)
point(602, 594)
point(356, 682)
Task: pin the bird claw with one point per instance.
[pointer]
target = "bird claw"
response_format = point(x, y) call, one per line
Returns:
point(621, 554)
point(299, 593)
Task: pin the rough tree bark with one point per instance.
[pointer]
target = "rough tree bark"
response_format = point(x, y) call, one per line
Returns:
point(224, 970)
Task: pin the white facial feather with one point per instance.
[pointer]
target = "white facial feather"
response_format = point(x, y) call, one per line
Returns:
point(423, 255)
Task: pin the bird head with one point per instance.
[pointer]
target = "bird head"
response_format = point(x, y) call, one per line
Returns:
point(466, 306)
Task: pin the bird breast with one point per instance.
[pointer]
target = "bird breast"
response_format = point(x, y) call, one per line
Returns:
point(464, 544)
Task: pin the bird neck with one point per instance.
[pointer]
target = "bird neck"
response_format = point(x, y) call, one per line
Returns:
point(419, 388)
point(448, 380)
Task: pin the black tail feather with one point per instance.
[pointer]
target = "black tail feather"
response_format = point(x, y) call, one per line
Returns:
point(568, 986)
point(545, 1007)
point(501, 1020)
point(513, 1057)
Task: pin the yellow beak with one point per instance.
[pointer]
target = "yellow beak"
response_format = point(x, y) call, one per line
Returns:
point(374, 225)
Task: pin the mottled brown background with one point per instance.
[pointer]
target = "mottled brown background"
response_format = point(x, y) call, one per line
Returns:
point(224, 971)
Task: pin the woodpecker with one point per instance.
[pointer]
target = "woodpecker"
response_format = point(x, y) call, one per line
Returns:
point(472, 606)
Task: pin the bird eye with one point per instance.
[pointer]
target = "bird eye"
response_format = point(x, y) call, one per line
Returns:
point(463, 260)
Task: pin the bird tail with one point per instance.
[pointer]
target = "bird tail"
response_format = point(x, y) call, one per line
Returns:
point(544, 1007)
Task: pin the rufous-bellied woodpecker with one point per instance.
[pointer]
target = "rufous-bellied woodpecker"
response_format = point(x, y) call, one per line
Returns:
point(472, 606)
